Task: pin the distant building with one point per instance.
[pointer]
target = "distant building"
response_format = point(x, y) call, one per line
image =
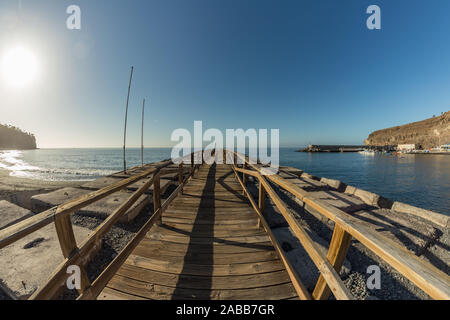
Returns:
point(445, 147)
point(406, 147)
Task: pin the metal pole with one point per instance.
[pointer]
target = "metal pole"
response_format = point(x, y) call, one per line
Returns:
point(126, 116)
point(142, 134)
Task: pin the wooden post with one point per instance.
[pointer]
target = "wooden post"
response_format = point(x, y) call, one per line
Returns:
point(244, 177)
point(126, 116)
point(142, 134)
point(261, 200)
point(85, 282)
point(68, 245)
point(340, 242)
point(157, 193)
point(66, 237)
point(180, 176)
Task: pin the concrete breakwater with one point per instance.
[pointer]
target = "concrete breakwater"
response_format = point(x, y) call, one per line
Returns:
point(423, 232)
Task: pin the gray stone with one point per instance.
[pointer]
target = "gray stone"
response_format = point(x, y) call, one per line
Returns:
point(11, 214)
point(437, 218)
point(42, 202)
point(309, 176)
point(292, 171)
point(368, 197)
point(28, 263)
point(336, 184)
point(101, 208)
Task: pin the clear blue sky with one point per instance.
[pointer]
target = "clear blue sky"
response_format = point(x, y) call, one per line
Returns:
point(310, 68)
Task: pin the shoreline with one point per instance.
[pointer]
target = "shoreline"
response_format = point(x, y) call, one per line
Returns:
point(19, 190)
point(10, 183)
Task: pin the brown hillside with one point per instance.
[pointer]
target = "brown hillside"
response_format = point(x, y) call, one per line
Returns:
point(424, 133)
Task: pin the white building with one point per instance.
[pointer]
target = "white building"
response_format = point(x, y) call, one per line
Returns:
point(406, 147)
point(445, 147)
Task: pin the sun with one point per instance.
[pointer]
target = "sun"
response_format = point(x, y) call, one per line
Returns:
point(19, 66)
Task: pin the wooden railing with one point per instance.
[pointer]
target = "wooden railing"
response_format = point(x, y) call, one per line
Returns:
point(431, 280)
point(80, 255)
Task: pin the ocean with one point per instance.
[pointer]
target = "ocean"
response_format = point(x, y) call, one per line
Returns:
point(419, 180)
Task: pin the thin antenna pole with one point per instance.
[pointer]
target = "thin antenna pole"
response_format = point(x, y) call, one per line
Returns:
point(126, 116)
point(142, 134)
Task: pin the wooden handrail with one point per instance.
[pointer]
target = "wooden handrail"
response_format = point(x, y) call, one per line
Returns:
point(319, 259)
point(298, 285)
point(424, 275)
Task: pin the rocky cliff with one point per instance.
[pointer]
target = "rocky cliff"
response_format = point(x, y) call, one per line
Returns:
point(428, 133)
point(14, 138)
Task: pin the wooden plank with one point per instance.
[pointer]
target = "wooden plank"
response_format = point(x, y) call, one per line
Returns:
point(111, 294)
point(207, 240)
point(212, 216)
point(217, 248)
point(208, 232)
point(248, 222)
point(216, 227)
point(206, 283)
point(195, 232)
point(217, 257)
point(143, 289)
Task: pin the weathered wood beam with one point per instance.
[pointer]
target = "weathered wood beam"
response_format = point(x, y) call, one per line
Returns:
point(339, 245)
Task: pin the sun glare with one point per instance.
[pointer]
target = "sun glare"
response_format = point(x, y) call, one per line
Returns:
point(19, 67)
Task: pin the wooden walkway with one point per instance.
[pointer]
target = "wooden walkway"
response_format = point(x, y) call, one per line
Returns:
point(208, 244)
point(207, 247)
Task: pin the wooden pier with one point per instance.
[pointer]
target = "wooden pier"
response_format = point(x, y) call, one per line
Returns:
point(208, 247)
point(209, 240)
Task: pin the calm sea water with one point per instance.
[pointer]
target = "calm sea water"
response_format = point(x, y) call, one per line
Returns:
point(420, 180)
